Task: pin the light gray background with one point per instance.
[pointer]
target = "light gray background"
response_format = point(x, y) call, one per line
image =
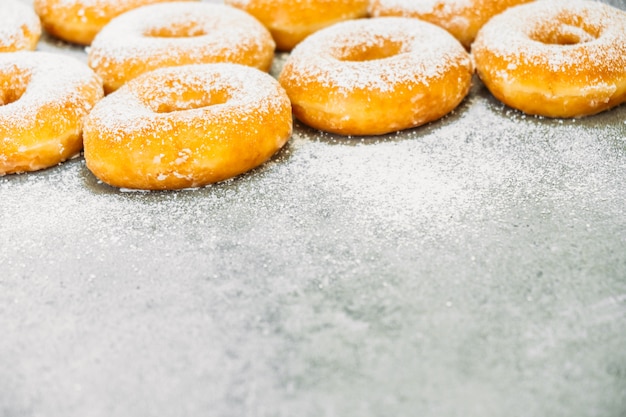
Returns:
point(472, 267)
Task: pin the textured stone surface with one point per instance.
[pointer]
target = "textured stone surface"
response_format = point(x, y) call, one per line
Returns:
point(472, 267)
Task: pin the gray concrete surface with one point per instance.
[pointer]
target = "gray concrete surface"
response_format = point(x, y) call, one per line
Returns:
point(472, 267)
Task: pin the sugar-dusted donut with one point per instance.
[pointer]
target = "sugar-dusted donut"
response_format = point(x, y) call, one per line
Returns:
point(78, 21)
point(20, 28)
point(170, 34)
point(187, 126)
point(291, 21)
point(43, 100)
point(462, 18)
point(375, 76)
point(555, 58)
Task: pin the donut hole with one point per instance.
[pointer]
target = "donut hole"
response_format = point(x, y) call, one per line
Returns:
point(13, 87)
point(384, 48)
point(177, 30)
point(175, 96)
point(191, 100)
point(568, 30)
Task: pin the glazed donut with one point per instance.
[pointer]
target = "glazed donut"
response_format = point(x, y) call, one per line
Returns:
point(187, 126)
point(462, 18)
point(375, 76)
point(555, 58)
point(20, 28)
point(169, 34)
point(44, 98)
point(291, 21)
point(78, 21)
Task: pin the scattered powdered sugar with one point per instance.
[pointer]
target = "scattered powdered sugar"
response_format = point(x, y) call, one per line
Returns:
point(383, 7)
point(106, 9)
point(102, 4)
point(239, 3)
point(182, 31)
point(135, 107)
point(426, 52)
point(85, 3)
point(16, 20)
point(483, 253)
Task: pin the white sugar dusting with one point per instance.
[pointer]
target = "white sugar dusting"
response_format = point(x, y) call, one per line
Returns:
point(105, 9)
point(420, 6)
point(240, 3)
point(210, 32)
point(131, 109)
point(427, 52)
point(483, 253)
point(103, 4)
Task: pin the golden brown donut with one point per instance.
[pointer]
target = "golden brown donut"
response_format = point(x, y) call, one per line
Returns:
point(291, 21)
point(187, 126)
point(555, 58)
point(43, 100)
point(20, 28)
point(462, 18)
point(375, 76)
point(171, 34)
point(78, 21)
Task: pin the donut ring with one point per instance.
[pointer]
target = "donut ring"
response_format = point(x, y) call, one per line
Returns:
point(291, 21)
point(555, 58)
point(78, 21)
point(375, 76)
point(169, 34)
point(462, 18)
point(187, 126)
point(20, 28)
point(43, 100)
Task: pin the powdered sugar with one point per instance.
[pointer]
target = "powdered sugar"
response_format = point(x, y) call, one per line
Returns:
point(426, 52)
point(135, 107)
point(175, 34)
point(104, 9)
point(205, 26)
point(420, 6)
point(456, 269)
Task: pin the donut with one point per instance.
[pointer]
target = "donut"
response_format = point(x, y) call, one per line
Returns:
point(462, 18)
point(44, 98)
point(375, 76)
point(291, 21)
point(169, 34)
point(555, 58)
point(187, 126)
point(20, 28)
point(78, 21)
